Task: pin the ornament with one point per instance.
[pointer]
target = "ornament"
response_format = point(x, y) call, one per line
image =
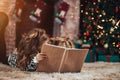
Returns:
point(18, 10)
point(106, 45)
point(58, 20)
point(118, 44)
point(87, 34)
point(116, 9)
point(37, 12)
point(62, 11)
point(39, 6)
point(90, 27)
point(62, 14)
point(33, 18)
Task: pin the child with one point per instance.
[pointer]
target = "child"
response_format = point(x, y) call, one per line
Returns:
point(28, 54)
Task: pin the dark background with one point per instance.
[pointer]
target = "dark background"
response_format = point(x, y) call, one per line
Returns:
point(47, 19)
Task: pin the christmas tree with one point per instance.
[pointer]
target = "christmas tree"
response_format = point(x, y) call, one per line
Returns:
point(100, 24)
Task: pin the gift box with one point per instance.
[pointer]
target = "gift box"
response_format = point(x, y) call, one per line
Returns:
point(100, 51)
point(90, 56)
point(108, 58)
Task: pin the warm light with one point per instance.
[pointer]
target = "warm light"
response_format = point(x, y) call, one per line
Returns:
point(94, 3)
point(96, 44)
point(106, 34)
point(113, 43)
point(103, 20)
point(81, 11)
point(86, 13)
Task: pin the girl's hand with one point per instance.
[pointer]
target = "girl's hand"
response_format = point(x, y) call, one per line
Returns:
point(41, 56)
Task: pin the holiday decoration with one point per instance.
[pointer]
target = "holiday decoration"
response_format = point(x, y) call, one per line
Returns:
point(108, 58)
point(35, 14)
point(100, 24)
point(39, 5)
point(18, 10)
point(62, 11)
point(70, 27)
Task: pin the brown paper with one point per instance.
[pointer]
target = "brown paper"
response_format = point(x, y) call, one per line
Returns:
point(61, 59)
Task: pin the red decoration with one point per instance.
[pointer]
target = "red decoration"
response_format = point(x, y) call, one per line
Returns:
point(90, 28)
point(97, 9)
point(38, 8)
point(18, 7)
point(87, 34)
point(84, 25)
point(118, 44)
point(116, 9)
point(99, 17)
point(62, 10)
point(108, 58)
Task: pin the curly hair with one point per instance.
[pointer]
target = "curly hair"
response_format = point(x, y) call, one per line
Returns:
point(59, 41)
point(29, 46)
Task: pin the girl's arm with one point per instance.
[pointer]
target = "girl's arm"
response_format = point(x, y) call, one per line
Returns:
point(32, 66)
point(12, 61)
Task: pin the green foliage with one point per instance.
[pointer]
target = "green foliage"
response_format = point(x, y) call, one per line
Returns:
point(101, 19)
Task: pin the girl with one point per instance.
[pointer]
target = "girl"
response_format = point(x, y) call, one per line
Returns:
point(28, 54)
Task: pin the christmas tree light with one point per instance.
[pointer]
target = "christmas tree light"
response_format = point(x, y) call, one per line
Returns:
point(103, 16)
